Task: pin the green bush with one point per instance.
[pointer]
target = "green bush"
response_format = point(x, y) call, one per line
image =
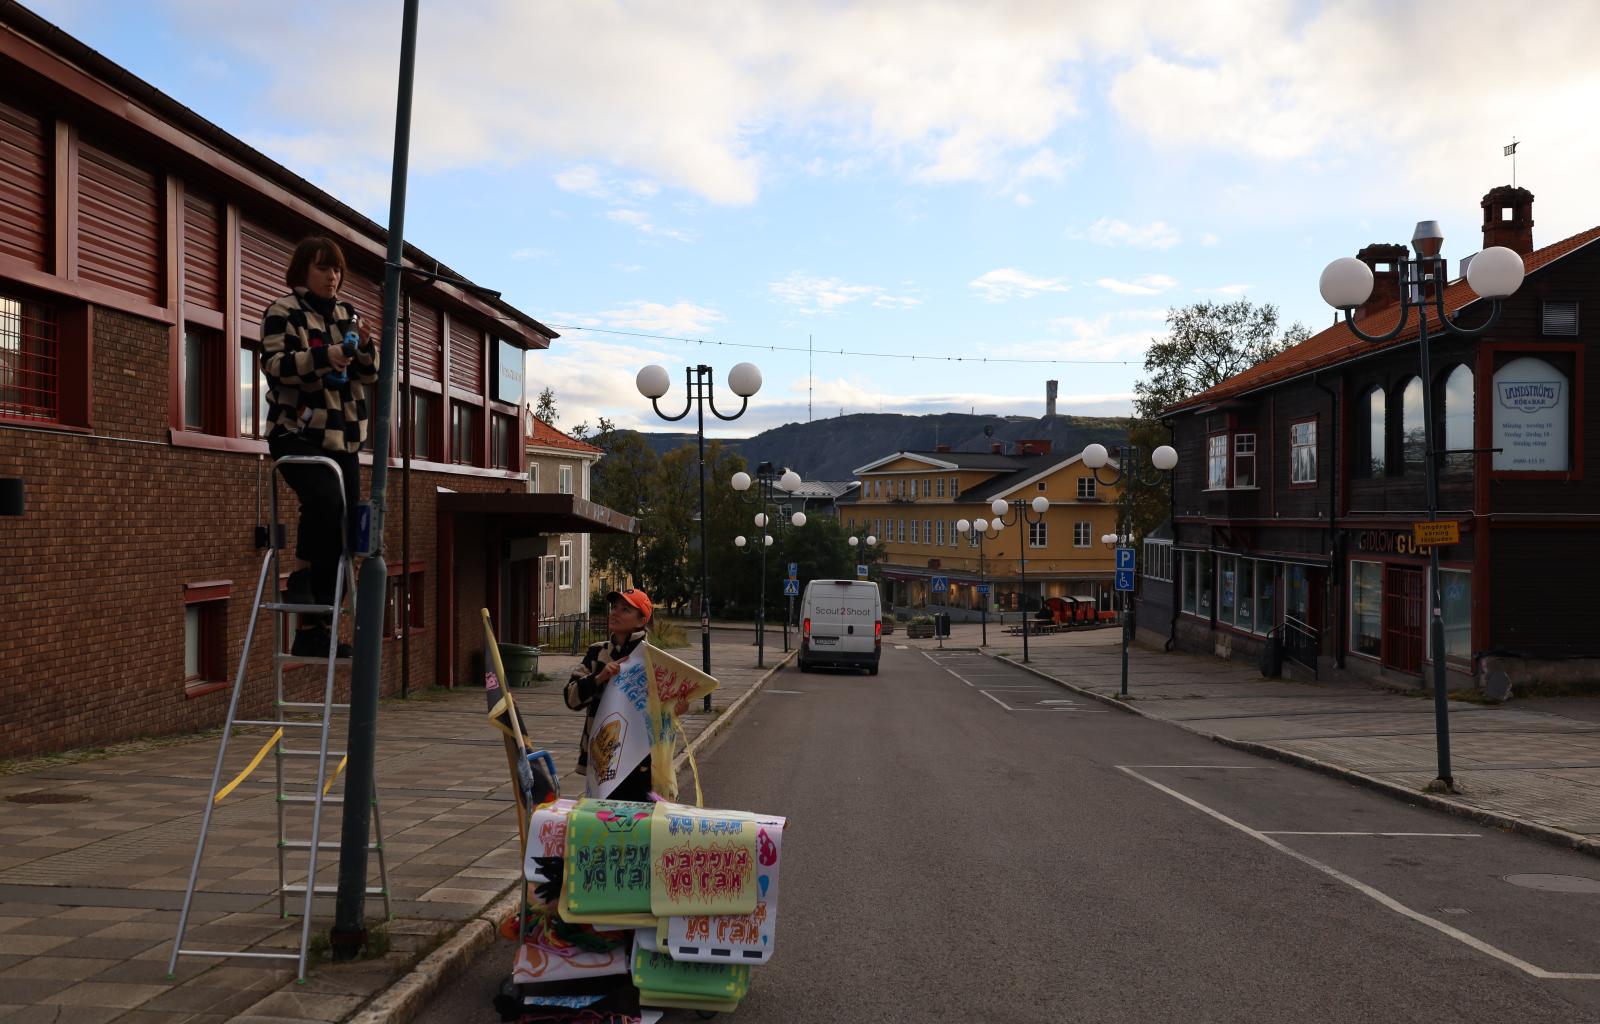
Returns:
point(666, 634)
point(922, 620)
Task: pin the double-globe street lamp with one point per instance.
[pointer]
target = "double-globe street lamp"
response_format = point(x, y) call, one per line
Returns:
point(979, 530)
point(1493, 274)
point(768, 481)
point(1023, 513)
point(1130, 473)
point(744, 380)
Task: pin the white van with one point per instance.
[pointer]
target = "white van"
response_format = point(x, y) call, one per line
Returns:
point(841, 623)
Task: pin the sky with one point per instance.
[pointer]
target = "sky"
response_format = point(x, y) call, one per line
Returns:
point(882, 181)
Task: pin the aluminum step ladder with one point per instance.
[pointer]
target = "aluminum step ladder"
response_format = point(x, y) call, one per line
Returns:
point(294, 718)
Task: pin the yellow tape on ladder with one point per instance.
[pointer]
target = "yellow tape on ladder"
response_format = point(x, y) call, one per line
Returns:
point(335, 774)
point(255, 762)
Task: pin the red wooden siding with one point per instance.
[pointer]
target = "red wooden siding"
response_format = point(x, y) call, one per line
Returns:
point(120, 237)
point(466, 356)
point(365, 295)
point(202, 253)
point(24, 187)
point(426, 356)
point(263, 259)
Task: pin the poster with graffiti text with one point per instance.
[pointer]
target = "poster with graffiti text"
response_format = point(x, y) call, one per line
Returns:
point(741, 938)
point(703, 862)
point(619, 739)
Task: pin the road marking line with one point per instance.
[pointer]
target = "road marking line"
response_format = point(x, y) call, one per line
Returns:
point(997, 700)
point(1192, 766)
point(1419, 835)
point(770, 690)
point(952, 671)
point(1368, 891)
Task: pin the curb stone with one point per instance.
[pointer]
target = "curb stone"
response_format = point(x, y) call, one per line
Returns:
point(410, 992)
point(1482, 816)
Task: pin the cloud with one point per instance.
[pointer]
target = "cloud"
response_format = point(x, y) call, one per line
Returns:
point(641, 222)
point(1155, 235)
point(1149, 284)
point(680, 318)
point(1208, 239)
point(1119, 335)
point(1006, 283)
point(584, 180)
point(858, 396)
point(809, 294)
point(531, 253)
point(1228, 289)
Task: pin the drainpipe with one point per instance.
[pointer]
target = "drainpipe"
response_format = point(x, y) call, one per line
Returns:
point(1333, 513)
point(1172, 516)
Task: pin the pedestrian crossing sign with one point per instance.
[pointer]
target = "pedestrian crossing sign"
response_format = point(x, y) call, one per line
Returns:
point(791, 588)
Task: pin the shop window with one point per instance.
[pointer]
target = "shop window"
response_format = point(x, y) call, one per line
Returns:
point(1297, 600)
point(1266, 595)
point(402, 608)
point(1456, 399)
point(1227, 588)
point(1217, 462)
point(1303, 452)
point(464, 441)
point(1245, 607)
point(502, 438)
point(1455, 599)
point(203, 368)
point(1081, 534)
point(1205, 583)
point(424, 425)
point(1086, 488)
point(1244, 460)
point(1157, 560)
point(1373, 461)
point(30, 360)
point(253, 403)
point(1038, 535)
point(1413, 438)
point(1366, 608)
point(564, 566)
point(1188, 569)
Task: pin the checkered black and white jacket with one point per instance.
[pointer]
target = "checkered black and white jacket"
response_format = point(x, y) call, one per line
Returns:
point(294, 356)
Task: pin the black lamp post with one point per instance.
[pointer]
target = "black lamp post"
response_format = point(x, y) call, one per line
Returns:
point(1130, 472)
point(744, 380)
point(1493, 274)
point(979, 531)
point(769, 481)
point(1023, 513)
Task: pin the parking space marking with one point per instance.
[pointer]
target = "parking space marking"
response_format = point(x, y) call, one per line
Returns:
point(997, 700)
point(1398, 835)
point(1381, 898)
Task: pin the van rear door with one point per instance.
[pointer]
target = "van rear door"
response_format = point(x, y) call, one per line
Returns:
point(844, 616)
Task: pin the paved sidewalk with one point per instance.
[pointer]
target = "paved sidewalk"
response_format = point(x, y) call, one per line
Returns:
point(91, 881)
point(1517, 764)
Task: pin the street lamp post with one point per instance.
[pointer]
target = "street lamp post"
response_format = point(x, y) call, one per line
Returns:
point(979, 529)
point(1493, 274)
point(1023, 514)
point(1130, 472)
point(744, 380)
point(769, 481)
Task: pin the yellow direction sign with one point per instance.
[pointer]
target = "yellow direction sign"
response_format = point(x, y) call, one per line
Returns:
point(1442, 531)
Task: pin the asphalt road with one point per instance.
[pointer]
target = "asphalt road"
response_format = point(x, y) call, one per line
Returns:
point(970, 843)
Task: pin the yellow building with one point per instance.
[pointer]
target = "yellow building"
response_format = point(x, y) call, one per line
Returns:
point(911, 501)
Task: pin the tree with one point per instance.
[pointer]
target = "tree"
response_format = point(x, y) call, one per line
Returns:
point(1206, 343)
point(545, 407)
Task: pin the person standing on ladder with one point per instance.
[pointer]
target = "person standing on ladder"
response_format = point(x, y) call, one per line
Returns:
point(318, 405)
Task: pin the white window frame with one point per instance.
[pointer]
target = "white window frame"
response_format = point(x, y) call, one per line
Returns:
point(902, 531)
point(1244, 452)
point(916, 531)
point(1158, 560)
point(955, 487)
point(1039, 534)
point(915, 485)
point(533, 477)
point(940, 484)
point(1086, 488)
point(1215, 480)
point(1083, 534)
point(564, 480)
point(564, 566)
point(1351, 610)
point(1296, 446)
point(941, 533)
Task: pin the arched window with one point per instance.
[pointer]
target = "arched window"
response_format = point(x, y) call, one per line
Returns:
point(1413, 437)
point(1457, 395)
point(1376, 433)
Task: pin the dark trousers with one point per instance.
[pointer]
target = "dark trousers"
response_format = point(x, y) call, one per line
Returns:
point(318, 542)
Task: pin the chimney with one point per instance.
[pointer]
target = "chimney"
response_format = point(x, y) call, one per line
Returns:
point(1385, 263)
point(1508, 219)
point(997, 447)
point(941, 447)
point(1033, 447)
point(1051, 389)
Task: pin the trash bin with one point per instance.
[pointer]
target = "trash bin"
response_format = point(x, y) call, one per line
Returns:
point(521, 664)
point(1272, 656)
point(941, 625)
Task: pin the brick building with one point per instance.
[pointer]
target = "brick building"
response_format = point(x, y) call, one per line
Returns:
point(1299, 481)
point(139, 245)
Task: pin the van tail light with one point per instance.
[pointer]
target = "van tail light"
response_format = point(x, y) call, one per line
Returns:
point(805, 628)
point(877, 633)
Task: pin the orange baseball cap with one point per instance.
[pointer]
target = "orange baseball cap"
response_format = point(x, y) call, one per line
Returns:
point(636, 597)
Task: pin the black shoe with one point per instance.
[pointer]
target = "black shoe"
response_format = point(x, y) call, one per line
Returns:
point(313, 643)
point(297, 588)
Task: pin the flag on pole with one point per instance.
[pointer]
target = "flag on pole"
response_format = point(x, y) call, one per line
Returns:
point(530, 790)
point(1511, 149)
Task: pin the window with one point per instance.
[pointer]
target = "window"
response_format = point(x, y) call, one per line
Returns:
point(1377, 434)
point(927, 488)
point(533, 477)
point(915, 535)
point(1297, 599)
point(1205, 583)
point(974, 538)
point(1188, 568)
point(205, 634)
point(1457, 402)
point(877, 528)
point(409, 597)
point(1244, 460)
point(1455, 594)
point(902, 528)
point(1197, 583)
point(203, 368)
point(424, 425)
point(463, 434)
point(1266, 595)
point(1081, 534)
point(927, 531)
point(30, 360)
point(1038, 535)
point(564, 480)
point(902, 487)
point(253, 404)
point(1303, 452)
point(502, 431)
point(1158, 560)
point(1245, 603)
point(955, 487)
point(1366, 608)
point(914, 485)
point(1086, 487)
point(940, 541)
point(1217, 462)
point(940, 483)
point(1041, 486)
point(1413, 438)
point(564, 566)
point(1227, 591)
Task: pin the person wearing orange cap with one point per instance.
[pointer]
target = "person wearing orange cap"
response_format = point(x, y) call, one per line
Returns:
point(627, 622)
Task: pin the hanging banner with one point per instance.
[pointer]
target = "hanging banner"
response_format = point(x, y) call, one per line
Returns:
point(703, 862)
point(736, 938)
point(674, 684)
point(620, 738)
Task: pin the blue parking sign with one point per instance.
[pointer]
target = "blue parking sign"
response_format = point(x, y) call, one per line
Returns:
point(1124, 579)
point(861, 571)
point(794, 570)
point(1125, 558)
point(983, 588)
